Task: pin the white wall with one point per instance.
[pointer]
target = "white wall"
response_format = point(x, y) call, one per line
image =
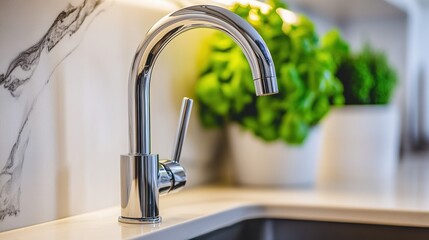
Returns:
point(322, 24)
point(424, 68)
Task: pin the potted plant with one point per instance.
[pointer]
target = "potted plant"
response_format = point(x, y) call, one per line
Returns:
point(264, 130)
point(361, 142)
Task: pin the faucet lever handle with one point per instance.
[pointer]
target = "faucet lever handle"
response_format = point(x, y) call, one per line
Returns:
point(185, 114)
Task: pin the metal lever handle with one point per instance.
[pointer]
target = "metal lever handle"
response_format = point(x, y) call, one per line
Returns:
point(185, 114)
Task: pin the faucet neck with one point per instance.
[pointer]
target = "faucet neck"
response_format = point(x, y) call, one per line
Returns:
point(162, 33)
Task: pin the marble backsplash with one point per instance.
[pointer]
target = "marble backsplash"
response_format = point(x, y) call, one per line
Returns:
point(63, 103)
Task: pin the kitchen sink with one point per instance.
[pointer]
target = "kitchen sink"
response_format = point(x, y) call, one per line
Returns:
point(273, 229)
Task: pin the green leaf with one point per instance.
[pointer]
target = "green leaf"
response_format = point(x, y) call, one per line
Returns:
point(293, 129)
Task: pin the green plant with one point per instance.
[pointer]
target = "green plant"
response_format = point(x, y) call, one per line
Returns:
point(305, 73)
point(367, 78)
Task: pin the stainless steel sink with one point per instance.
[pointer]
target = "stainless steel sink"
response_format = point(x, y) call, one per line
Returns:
point(273, 229)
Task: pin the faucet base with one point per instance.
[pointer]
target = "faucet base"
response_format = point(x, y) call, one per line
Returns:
point(139, 188)
point(139, 220)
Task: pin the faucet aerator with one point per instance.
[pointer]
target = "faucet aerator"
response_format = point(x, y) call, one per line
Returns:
point(266, 86)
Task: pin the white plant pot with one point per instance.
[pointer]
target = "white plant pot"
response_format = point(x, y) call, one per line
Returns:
point(360, 146)
point(258, 163)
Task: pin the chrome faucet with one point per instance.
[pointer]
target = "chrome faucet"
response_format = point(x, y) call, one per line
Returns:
point(143, 176)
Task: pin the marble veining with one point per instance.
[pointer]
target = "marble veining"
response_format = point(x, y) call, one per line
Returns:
point(73, 20)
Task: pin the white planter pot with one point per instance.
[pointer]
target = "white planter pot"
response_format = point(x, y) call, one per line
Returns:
point(360, 146)
point(258, 163)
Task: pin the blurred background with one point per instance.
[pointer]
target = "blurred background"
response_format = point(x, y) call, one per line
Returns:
point(352, 112)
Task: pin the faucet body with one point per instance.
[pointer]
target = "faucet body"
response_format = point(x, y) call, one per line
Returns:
point(143, 175)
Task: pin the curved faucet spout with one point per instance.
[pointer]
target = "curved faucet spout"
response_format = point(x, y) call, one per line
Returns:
point(143, 176)
point(162, 33)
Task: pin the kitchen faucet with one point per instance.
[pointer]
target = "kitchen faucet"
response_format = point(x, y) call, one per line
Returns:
point(143, 176)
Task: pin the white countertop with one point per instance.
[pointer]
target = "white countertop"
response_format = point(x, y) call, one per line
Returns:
point(192, 212)
point(196, 211)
